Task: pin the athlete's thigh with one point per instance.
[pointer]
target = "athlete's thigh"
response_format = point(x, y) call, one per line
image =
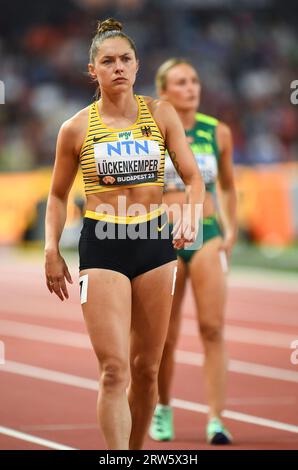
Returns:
point(106, 297)
point(209, 282)
point(151, 308)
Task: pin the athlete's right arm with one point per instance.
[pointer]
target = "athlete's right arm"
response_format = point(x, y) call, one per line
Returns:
point(65, 169)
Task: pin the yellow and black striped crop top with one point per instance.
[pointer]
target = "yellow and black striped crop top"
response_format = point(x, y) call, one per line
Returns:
point(115, 158)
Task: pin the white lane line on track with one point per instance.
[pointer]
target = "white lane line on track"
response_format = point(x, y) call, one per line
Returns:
point(50, 375)
point(80, 340)
point(254, 317)
point(243, 417)
point(291, 288)
point(263, 280)
point(33, 439)
point(44, 334)
point(88, 384)
point(245, 400)
point(74, 316)
point(240, 367)
point(189, 327)
point(239, 334)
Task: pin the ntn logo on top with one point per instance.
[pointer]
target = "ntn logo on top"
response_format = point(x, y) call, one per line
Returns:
point(127, 148)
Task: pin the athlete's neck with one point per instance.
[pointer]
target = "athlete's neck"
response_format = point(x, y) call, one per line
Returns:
point(188, 118)
point(118, 105)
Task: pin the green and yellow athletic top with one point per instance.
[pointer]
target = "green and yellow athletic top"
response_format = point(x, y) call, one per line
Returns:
point(130, 157)
point(204, 146)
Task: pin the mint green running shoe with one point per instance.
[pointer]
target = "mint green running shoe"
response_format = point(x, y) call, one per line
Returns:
point(217, 434)
point(161, 428)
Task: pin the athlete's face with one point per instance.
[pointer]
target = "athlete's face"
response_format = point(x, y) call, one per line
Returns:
point(115, 65)
point(182, 88)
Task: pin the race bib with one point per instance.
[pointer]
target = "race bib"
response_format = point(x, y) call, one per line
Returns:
point(172, 179)
point(206, 163)
point(208, 167)
point(127, 162)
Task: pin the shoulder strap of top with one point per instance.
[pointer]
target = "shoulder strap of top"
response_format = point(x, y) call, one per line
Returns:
point(206, 119)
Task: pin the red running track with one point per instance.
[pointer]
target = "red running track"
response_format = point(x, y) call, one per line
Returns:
point(49, 379)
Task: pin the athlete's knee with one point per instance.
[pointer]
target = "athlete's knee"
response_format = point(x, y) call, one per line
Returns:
point(114, 374)
point(144, 371)
point(212, 332)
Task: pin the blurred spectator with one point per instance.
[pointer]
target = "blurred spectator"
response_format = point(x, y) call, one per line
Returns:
point(246, 60)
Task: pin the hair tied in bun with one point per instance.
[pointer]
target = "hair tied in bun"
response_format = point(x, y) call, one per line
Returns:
point(108, 25)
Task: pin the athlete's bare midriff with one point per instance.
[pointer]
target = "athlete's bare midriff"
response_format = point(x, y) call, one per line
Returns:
point(125, 201)
point(179, 197)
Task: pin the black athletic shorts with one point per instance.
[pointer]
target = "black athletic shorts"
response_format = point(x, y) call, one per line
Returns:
point(131, 248)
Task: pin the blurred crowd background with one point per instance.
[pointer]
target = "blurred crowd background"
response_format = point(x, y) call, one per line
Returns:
point(245, 51)
point(246, 58)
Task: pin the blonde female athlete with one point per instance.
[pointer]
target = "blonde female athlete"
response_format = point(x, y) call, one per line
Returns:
point(211, 142)
point(126, 280)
